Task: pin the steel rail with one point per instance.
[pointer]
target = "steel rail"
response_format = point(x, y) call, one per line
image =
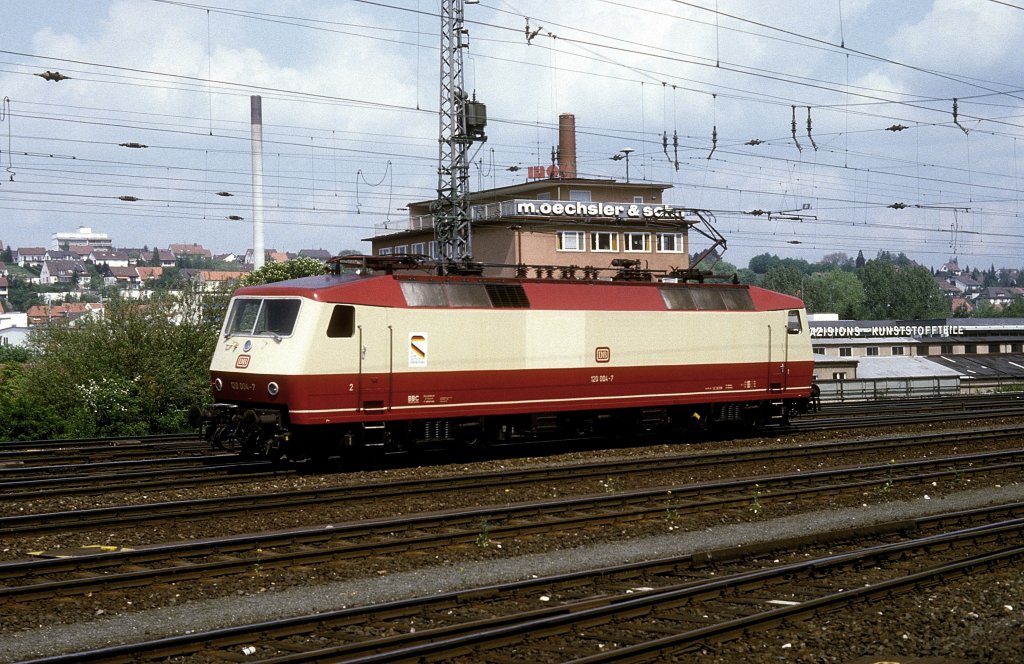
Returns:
point(423, 531)
point(169, 473)
point(133, 514)
point(596, 609)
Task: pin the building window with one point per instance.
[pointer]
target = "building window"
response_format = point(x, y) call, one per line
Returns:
point(946, 349)
point(818, 350)
point(638, 242)
point(845, 351)
point(922, 351)
point(544, 196)
point(418, 248)
point(604, 241)
point(994, 348)
point(1017, 348)
point(401, 250)
point(434, 252)
point(384, 251)
point(638, 200)
point(970, 349)
point(838, 375)
point(898, 350)
point(872, 351)
point(670, 243)
point(581, 195)
point(570, 241)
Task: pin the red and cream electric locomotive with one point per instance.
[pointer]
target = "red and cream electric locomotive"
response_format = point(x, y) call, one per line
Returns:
point(399, 358)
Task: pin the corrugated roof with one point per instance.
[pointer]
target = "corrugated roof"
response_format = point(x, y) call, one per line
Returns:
point(901, 367)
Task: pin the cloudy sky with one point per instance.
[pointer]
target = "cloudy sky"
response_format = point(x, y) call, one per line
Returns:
point(350, 95)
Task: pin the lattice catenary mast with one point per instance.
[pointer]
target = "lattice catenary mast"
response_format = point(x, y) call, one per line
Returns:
point(462, 122)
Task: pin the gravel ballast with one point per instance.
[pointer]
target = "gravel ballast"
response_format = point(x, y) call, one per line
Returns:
point(960, 621)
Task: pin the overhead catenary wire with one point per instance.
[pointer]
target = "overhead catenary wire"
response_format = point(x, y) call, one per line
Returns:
point(693, 142)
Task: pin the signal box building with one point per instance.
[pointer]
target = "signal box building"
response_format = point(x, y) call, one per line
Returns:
point(559, 220)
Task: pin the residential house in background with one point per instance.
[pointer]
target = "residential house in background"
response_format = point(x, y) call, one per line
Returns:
point(41, 314)
point(966, 284)
point(946, 287)
point(213, 279)
point(62, 272)
point(148, 274)
point(164, 256)
point(133, 277)
point(82, 252)
point(14, 328)
point(113, 258)
point(1000, 296)
point(25, 256)
point(316, 254)
point(126, 277)
point(184, 250)
point(951, 268)
point(269, 256)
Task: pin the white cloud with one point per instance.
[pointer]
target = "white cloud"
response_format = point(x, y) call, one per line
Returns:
point(968, 38)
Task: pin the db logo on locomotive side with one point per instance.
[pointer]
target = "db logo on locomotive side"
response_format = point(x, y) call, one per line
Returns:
point(242, 362)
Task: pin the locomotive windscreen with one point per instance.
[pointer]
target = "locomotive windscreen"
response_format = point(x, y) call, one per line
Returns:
point(263, 316)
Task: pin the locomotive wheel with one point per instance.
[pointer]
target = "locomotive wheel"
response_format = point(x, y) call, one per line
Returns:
point(472, 437)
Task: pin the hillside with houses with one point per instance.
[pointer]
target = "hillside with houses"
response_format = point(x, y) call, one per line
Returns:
point(84, 269)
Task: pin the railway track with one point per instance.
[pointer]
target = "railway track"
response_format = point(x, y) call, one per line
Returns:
point(27, 483)
point(637, 612)
point(612, 475)
point(20, 482)
point(93, 450)
point(907, 411)
point(72, 573)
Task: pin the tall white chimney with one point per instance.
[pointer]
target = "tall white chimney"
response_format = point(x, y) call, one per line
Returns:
point(258, 252)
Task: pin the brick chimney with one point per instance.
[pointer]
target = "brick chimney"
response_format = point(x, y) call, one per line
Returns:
point(567, 145)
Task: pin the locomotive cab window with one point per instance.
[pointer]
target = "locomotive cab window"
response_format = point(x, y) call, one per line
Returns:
point(793, 324)
point(263, 317)
point(343, 322)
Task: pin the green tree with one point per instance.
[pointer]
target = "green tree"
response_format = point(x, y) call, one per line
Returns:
point(761, 263)
point(837, 259)
point(900, 292)
point(748, 276)
point(25, 414)
point(135, 371)
point(724, 268)
point(21, 295)
point(784, 279)
point(835, 292)
point(302, 266)
point(1015, 309)
point(9, 353)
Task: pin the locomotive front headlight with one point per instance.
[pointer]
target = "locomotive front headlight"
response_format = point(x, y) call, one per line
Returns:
point(273, 388)
point(218, 384)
